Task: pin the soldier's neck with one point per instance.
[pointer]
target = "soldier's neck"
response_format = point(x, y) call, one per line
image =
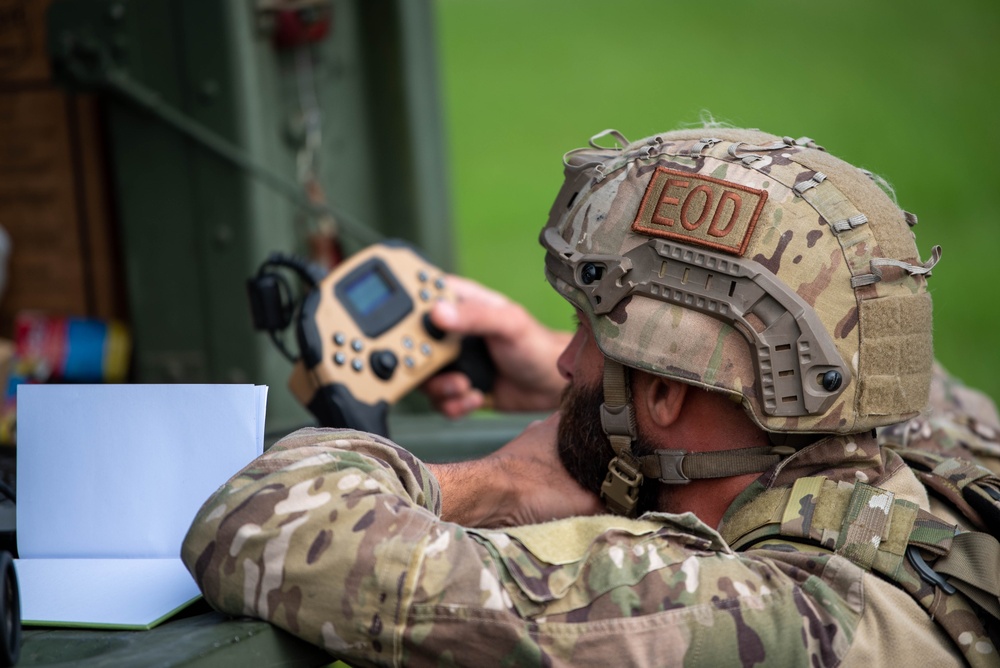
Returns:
point(709, 422)
point(708, 499)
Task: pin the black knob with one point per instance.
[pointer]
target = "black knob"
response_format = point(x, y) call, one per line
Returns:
point(590, 273)
point(433, 330)
point(831, 380)
point(383, 363)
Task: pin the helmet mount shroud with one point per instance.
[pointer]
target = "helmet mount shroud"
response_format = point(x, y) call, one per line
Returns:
point(745, 263)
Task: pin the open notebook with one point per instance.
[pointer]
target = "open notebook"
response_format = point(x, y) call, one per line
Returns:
point(109, 478)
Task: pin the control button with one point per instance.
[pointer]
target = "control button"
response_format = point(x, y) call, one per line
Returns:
point(339, 338)
point(383, 363)
point(339, 359)
point(433, 330)
point(422, 276)
point(425, 295)
point(357, 346)
point(408, 361)
point(357, 365)
point(439, 284)
point(426, 349)
point(408, 343)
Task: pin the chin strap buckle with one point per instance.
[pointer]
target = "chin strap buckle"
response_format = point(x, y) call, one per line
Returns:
point(672, 467)
point(618, 421)
point(620, 490)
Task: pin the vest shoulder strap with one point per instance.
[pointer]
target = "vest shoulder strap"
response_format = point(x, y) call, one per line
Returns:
point(967, 486)
point(954, 575)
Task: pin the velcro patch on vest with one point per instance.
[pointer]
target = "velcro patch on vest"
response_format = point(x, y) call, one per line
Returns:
point(699, 210)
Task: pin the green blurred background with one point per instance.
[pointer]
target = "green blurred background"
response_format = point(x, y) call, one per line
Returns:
point(907, 90)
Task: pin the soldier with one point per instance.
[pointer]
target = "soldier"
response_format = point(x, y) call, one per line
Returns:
point(710, 490)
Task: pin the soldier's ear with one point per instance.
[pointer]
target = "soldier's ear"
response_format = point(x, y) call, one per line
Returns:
point(663, 398)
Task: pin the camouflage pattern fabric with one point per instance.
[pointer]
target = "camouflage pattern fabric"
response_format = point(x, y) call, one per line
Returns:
point(335, 536)
point(822, 227)
point(960, 422)
point(872, 527)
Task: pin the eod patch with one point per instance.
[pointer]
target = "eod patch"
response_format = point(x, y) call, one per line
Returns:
point(700, 210)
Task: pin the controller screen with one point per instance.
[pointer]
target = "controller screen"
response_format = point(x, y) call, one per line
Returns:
point(368, 292)
point(373, 296)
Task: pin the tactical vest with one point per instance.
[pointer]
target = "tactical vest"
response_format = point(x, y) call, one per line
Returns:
point(954, 574)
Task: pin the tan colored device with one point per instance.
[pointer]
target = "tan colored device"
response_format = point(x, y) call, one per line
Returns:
point(365, 336)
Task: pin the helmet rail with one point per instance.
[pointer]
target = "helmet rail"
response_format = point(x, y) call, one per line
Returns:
point(795, 359)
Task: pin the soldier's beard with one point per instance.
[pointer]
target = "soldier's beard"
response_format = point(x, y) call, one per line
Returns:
point(584, 448)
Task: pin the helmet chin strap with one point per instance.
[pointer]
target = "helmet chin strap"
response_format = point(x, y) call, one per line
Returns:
point(620, 490)
point(626, 471)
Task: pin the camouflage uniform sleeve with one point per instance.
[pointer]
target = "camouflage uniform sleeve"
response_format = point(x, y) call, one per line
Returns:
point(335, 537)
point(321, 536)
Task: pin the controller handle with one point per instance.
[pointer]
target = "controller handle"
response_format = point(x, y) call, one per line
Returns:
point(335, 406)
point(474, 361)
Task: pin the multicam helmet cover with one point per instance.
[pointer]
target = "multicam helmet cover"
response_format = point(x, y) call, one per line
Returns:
point(750, 264)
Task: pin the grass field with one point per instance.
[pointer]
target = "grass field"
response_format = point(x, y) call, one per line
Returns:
point(907, 90)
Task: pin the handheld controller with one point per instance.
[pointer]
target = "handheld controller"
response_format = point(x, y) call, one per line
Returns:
point(365, 337)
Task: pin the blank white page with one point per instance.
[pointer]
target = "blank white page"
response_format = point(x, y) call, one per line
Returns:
point(118, 593)
point(120, 470)
point(109, 478)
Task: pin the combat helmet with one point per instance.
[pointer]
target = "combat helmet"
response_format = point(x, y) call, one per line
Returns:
point(745, 263)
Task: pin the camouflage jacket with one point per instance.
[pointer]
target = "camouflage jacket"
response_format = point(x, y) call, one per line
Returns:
point(336, 537)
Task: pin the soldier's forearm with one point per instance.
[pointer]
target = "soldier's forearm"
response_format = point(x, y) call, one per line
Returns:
point(474, 493)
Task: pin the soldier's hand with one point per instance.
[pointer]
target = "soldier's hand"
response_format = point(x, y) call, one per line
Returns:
point(541, 488)
point(523, 350)
point(524, 482)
